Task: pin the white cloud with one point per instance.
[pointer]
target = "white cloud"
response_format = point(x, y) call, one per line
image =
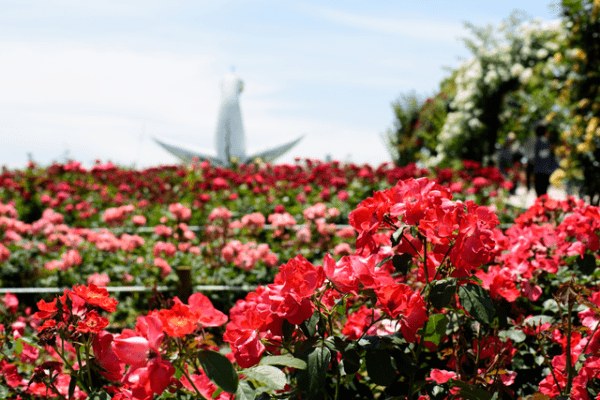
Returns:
point(101, 78)
point(420, 29)
point(162, 85)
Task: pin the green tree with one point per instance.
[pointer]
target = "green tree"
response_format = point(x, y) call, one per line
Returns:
point(417, 123)
point(580, 92)
point(400, 139)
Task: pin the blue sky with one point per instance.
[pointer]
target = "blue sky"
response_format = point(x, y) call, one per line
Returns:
point(98, 79)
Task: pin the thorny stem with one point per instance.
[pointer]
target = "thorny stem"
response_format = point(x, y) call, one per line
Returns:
point(319, 304)
point(329, 321)
point(548, 364)
point(591, 336)
point(55, 389)
point(437, 271)
point(478, 345)
point(373, 322)
point(414, 371)
point(568, 349)
point(409, 242)
point(79, 362)
point(87, 361)
point(425, 262)
point(184, 370)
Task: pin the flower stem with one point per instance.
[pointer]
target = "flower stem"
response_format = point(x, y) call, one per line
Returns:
point(569, 366)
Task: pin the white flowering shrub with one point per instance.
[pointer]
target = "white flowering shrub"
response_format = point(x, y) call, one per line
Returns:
point(505, 86)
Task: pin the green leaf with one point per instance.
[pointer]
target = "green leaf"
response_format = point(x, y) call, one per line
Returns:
point(351, 360)
point(286, 361)
point(470, 392)
point(586, 265)
point(318, 365)
point(340, 306)
point(369, 342)
point(268, 375)
point(245, 391)
point(12, 347)
point(30, 342)
point(287, 329)
point(476, 300)
point(380, 368)
point(99, 396)
point(402, 362)
point(435, 328)
point(516, 335)
point(401, 262)
point(442, 293)
point(397, 236)
point(72, 384)
point(3, 391)
point(309, 327)
point(535, 320)
point(217, 392)
point(219, 370)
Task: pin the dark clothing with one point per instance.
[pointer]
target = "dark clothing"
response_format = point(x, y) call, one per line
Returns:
point(541, 183)
point(529, 174)
point(528, 149)
point(544, 164)
point(505, 159)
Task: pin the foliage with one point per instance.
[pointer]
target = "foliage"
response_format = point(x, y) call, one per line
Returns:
point(434, 301)
point(400, 140)
point(502, 88)
point(417, 124)
point(580, 93)
point(120, 227)
point(522, 73)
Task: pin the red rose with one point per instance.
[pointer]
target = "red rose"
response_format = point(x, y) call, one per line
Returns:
point(178, 321)
point(96, 296)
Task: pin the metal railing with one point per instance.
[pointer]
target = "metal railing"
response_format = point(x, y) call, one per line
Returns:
point(184, 288)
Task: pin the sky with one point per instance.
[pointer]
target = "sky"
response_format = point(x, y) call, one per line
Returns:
point(89, 80)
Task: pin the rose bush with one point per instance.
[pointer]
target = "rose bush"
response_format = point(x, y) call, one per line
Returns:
point(436, 302)
point(111, 226)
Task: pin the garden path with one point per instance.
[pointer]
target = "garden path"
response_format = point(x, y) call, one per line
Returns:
point(525, 199)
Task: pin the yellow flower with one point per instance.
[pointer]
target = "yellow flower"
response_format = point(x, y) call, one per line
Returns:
point(588, 137)
point(558, 57)
point(550, 116)
point(557, 177)
point(583, 103)
point(580, 54)
point(592, 125)
point(583, 147)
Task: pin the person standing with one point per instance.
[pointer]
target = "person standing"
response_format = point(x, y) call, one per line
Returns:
point(506, 160)
point(528, 156)
point(544, 162)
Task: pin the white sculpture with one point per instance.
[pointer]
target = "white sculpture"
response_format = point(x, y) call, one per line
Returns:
point(229, 139)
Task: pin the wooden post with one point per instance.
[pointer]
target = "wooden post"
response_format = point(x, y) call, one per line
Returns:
point(184, 286)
